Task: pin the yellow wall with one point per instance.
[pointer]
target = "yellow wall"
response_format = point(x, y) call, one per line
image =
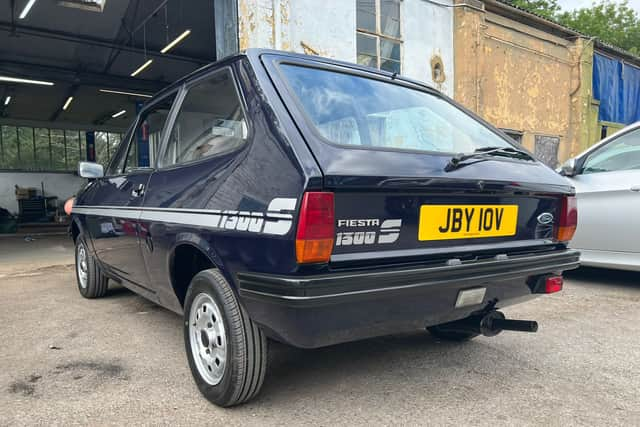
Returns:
point(524, 79)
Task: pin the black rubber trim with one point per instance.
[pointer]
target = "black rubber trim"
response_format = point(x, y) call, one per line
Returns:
point(340, 286)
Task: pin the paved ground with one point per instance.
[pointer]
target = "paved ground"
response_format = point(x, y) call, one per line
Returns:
point(120, 360)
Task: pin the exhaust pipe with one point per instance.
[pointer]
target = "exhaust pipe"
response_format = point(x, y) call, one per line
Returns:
point(490, 324)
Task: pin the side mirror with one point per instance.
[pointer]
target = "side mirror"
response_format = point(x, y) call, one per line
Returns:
point(569, 168)
point(90, 170)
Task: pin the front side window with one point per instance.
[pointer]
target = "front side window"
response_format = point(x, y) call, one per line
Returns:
point(623, 153)
point(210, 122)
point(145, 141)
point(358, 111)
point(378, 34)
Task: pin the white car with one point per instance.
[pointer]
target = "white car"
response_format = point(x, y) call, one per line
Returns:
point(607, 182)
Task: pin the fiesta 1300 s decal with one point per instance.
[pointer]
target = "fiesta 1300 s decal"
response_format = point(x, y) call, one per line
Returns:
point(369, 231)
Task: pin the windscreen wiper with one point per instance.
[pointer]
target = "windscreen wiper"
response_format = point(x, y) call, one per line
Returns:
point(484, 154)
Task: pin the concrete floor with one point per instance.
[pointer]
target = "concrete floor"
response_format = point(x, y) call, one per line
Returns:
point(120, 360)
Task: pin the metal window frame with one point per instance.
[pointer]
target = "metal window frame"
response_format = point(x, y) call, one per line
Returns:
point(378, 35)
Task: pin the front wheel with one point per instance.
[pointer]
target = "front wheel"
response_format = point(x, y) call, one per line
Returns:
point(227, 352)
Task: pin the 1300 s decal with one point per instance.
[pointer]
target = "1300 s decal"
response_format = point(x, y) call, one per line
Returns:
point(382, 233)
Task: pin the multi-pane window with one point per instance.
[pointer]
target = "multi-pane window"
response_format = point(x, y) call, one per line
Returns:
point(42, 149)
point(378, 34)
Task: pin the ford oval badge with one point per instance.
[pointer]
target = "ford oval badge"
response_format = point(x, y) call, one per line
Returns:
point(545, 218)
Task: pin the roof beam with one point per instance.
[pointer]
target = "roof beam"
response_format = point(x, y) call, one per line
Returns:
point(93, 41)
point(82, 78)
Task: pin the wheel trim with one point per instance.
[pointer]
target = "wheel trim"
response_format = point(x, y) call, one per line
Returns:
point(207, 338)
point(81, 265)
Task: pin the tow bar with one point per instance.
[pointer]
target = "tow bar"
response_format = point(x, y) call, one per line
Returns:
point(490, 324)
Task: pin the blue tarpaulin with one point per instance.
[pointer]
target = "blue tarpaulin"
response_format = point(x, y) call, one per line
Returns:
point(617, 86)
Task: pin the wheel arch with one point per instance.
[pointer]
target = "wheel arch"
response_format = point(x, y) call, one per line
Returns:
point(189, 256)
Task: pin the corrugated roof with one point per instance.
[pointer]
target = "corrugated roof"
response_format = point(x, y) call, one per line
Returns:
point(599, 44)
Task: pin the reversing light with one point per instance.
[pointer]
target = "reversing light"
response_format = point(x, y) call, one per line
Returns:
point(553, 284)
point(316, 228)
point(568, 219)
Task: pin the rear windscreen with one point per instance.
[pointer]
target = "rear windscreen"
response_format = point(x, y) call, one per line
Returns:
point(358, 111)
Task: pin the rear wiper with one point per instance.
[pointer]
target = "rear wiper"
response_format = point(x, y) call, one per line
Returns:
point(484, 154)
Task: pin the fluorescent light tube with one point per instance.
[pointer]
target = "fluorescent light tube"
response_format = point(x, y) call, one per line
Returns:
point(121, 92)
point(28, 81)
point(118, 114)
point(142, 67)
point(26, 9)
point(67, 103)
point(7, 100)
point(175, 41)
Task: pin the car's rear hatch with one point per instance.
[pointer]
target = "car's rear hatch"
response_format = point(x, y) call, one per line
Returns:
point(397, 202)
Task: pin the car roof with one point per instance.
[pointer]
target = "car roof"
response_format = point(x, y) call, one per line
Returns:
point(606, 140)
point(254, 54)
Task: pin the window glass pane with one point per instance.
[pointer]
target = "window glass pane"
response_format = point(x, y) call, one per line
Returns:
point(390, 17)
point(148, 133)
point(623, 153)
point(73, 149)
point(389, 65)
point(389, 50)
point(102, 148)
point(43, 158)
point(58, 161)
point(211, 121)
point(367, 51)
point(114, 142)
point(366, 15)
point(388, 115)
point(25, 137)
point(10, 147)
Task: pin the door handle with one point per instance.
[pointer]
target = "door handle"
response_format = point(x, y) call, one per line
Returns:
point(138, 191)
point(635, 188)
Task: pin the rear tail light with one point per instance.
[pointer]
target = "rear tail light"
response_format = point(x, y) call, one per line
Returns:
point(553, 284)
point(314, 239)
point(568, 219)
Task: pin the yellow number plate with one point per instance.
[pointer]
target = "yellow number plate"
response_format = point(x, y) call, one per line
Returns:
point(444, 222)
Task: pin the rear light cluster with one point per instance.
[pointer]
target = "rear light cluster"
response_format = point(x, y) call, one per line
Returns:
point(316, 228)
point(553, 284)
point(568, 220)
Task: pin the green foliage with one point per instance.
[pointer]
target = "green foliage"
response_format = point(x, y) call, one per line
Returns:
point(609, 21)
point(547, 8)
point(613, 23)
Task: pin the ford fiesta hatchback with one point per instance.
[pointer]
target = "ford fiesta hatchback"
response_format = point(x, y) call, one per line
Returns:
point(314, 202)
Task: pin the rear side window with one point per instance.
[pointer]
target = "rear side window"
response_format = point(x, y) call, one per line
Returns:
point(357, 111)
point(211, 121)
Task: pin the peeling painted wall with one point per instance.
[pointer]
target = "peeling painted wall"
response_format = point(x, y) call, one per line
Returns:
point(328, 28)
point(523, 79)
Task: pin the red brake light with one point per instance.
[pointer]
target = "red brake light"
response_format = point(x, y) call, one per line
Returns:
point(553, 284)
point(568, 220)
point(316, 228)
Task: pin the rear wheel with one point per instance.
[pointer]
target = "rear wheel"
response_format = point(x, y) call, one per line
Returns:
point(91, 282)
point(227, 352)
point(448, 335)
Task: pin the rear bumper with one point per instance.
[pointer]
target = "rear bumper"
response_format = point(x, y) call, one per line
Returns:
point(315, 311)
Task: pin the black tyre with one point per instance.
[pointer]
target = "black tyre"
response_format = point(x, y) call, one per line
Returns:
point(91, 282)
point(448, 335)
point(227, 352)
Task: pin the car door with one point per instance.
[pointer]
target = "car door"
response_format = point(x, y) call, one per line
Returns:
point(608, 190)
point(207, 139)
point(116, 199)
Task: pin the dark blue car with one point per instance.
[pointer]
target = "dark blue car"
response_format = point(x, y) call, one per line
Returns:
point(314, 202)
